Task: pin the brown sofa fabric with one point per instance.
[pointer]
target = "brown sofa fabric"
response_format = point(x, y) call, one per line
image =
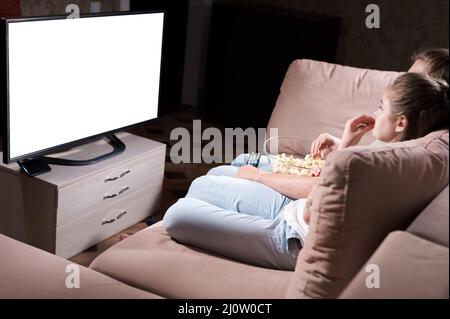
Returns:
point(30, 273)
point(432, 223)
point(409, 267)
point(318, 97)
point(152, 261)
point(349, 219)
point(363, 194)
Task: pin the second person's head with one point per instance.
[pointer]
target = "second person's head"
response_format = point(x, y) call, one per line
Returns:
point(431, 62)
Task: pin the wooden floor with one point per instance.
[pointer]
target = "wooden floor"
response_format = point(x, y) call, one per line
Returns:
point(177, 177)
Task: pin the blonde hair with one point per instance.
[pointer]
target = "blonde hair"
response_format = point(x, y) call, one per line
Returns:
point(436, 62)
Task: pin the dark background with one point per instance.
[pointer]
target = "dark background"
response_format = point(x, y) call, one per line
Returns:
point(199, 68)
point(250, 48)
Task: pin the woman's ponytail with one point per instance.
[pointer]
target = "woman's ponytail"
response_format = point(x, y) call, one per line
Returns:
point(423, 101)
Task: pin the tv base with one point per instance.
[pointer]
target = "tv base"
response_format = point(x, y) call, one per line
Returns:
point(38, 166)
point(34, 167)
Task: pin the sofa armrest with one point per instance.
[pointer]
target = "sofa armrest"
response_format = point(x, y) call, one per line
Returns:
point(408, 267)
point(31, 273)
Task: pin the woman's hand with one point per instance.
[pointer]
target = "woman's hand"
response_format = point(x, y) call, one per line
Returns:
point(249, 172)
point(355, 129)
point(323, 145)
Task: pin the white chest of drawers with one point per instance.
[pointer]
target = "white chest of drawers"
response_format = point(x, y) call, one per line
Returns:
point(70, 209)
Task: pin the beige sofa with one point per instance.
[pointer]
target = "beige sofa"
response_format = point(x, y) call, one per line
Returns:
point(152, 261)
point(30, 273)
point(405, 236)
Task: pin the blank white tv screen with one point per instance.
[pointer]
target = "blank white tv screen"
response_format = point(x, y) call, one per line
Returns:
point(70, 79)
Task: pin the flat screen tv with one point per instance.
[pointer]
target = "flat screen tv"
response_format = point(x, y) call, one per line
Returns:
point(69, 81)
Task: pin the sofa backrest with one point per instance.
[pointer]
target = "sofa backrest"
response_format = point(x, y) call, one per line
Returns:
point(432, 223)
point(363, 194)
point(403, 267)
point(318, 97)
point(411, 264)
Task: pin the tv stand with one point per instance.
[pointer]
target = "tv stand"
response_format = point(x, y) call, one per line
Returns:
point(72, 208)
point(38, 166)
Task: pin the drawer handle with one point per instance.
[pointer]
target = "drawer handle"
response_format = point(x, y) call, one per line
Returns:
point(112, 220)
point(110, 179)
point(123, 190)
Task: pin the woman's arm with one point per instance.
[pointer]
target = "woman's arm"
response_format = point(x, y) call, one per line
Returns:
point(294, 186)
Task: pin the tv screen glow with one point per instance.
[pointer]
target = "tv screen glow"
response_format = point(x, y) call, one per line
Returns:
point(70, 79)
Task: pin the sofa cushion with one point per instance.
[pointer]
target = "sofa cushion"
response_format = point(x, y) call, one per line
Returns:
point(152, 261)
point(363, 194)
point(319, 97)
point(407, 267)
point(432, 223)
point(30, 273)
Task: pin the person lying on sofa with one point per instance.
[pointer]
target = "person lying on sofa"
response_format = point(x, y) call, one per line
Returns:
point(257, 218)
point(431, 62)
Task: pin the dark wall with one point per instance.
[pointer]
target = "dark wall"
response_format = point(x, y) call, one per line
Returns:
point(249, 51)
point(174, 44)
point(406, 26)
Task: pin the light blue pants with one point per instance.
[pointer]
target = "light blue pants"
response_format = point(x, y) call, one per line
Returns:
point(235, 218)
point(241, 160)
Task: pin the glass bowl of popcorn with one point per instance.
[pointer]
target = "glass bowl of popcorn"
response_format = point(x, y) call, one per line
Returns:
point(295, 165)
point(289, 161)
